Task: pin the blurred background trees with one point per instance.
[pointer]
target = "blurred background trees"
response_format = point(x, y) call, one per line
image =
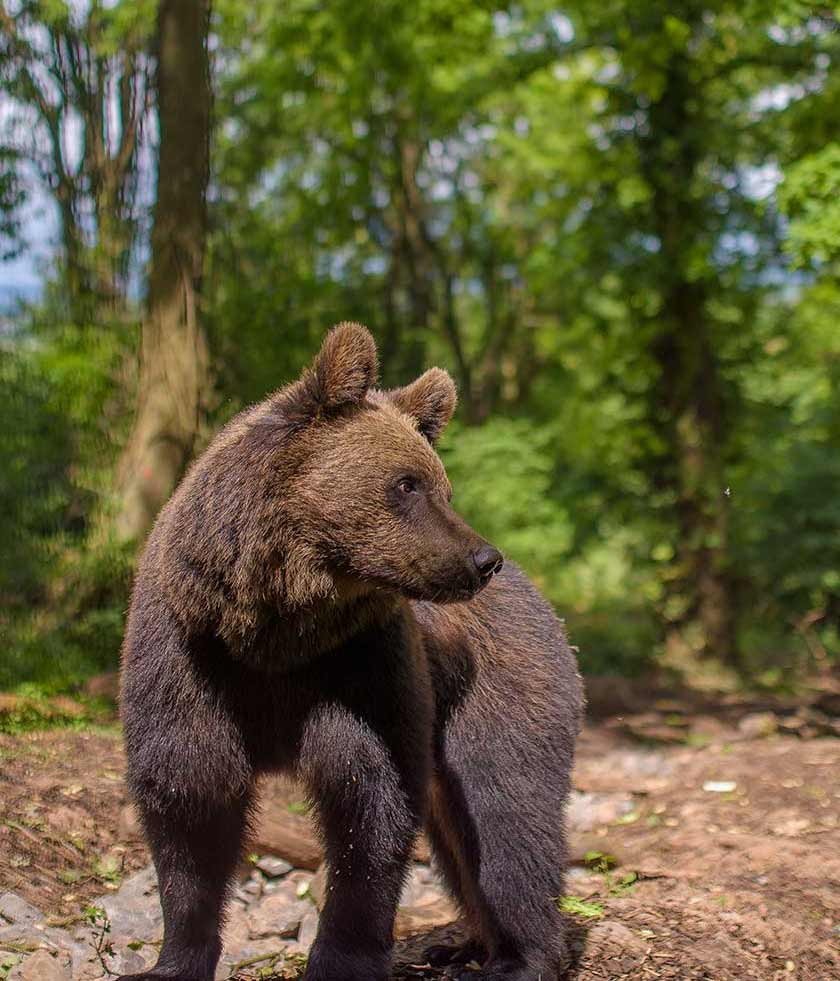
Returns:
point(617, 225)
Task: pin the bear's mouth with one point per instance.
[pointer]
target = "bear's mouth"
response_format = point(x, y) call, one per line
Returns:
point(450, 592)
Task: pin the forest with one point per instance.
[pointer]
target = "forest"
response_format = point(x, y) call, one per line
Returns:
point(617, 225)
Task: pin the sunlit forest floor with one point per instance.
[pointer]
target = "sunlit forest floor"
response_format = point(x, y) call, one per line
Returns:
point(705, 841)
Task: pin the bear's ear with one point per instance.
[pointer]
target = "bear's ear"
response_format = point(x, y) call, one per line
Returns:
point(430, 400)
point(344, 369)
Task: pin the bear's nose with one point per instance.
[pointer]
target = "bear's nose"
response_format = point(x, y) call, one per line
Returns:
point(488, 561)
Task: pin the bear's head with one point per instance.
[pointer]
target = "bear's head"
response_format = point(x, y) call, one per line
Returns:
point(370, 495)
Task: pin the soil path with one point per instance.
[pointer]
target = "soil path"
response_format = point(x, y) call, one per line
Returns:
point(703, 848)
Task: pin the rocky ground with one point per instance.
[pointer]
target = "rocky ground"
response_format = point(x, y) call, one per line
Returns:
point(705, 844)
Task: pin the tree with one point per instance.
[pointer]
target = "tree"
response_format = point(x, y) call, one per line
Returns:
point(173, 378)
point(362, 139)
point(78, 85)
point(662, 245)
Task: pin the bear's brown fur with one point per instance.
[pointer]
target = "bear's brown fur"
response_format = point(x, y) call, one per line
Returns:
point(288, 614)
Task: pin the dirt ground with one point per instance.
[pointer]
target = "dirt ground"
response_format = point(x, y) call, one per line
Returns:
point(722, 862)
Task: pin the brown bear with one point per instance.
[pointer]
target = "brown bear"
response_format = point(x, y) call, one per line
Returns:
point(309, 602)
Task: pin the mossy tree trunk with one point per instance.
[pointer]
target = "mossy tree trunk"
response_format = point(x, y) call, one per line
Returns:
point(688, 403)
point(173, 372)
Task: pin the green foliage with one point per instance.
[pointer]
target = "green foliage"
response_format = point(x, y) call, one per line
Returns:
point(580, 907)
point(810, 195)
point(64, 582)
point(615, 224)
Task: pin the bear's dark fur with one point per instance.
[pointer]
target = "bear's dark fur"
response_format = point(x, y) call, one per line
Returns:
point(288, 615)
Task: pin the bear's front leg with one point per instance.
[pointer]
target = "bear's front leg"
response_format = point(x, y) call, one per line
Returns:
point(368, 783)
point(195, 855)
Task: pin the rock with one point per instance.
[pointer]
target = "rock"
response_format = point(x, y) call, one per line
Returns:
point(283, 831)
point(422, 887)
point(758, 725)
point(75, 944)
point(577, 874)
point(609, 933)
point(302, 882)
point(586, 811)
point(128, 961)
point(17, 917)
point(419, 919)
point(236, 933)
point(272, 867)
point(652, 727)
point(708, 729)
point(243, 897)
point(424, 903)
point(270, 951)
point(828, 702)
point(134, 910)
point(720, 786)
point(318, 886)
point(308, 931)
point(278, 914)
point(42, 966)
point(252, 887)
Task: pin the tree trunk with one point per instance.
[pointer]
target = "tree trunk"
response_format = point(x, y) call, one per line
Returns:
point(687, 405)
point(416, 256)
point(173, 356)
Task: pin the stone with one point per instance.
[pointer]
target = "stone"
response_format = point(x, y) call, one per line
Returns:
point(128, 961)
point(614, 934)
point(272, 867)
point(42, 966)
point(134, 910)
point(236, 934)
point(758, 725)
point(271, 953)
point(302, 882)
point(422, 887)
point(282, 830)
point(318, 886)
point(418, 919)
point(307, 931)
point(76, 946)
point(253, 886)
point(424, 903)
point(828, 702)
point(586, 811)
point(18, 919)
point(278, 914)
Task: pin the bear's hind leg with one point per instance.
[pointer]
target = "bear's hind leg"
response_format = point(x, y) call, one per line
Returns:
point(457, 877)
point(195, 854)
point(500, 793)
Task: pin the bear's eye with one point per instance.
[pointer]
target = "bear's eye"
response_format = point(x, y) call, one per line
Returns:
point(407, 485)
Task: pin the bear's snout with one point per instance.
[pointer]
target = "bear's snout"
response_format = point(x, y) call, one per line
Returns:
point(488, 561)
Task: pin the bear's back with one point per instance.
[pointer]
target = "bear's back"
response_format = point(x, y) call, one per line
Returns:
point(508, 641)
